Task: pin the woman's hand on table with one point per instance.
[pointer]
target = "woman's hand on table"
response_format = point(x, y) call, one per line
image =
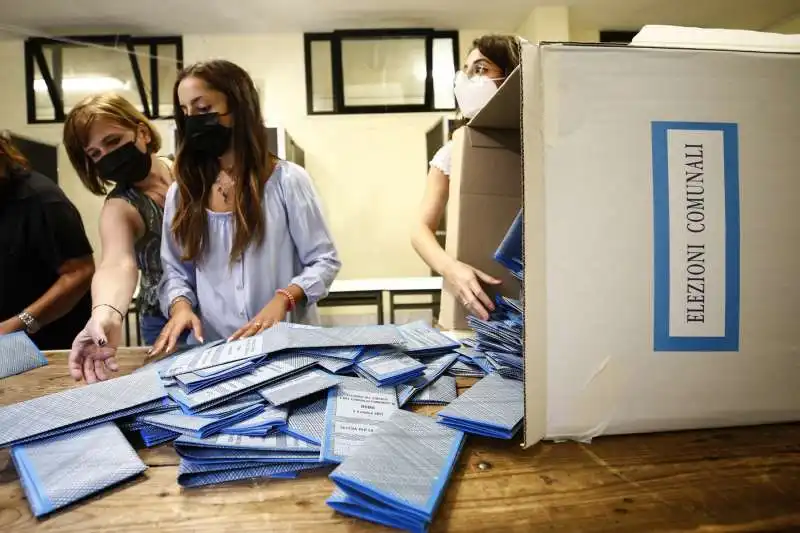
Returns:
point(182, 317)
point(94, 349)
point(271, 314)
point(466, 285)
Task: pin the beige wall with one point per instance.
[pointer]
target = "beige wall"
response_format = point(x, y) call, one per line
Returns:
point(555, 23)
point(369, 169)
point(791, 25)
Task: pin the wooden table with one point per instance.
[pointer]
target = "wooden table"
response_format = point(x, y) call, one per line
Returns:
point(745, 479)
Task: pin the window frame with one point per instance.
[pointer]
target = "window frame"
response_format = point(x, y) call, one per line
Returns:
point(617, 36)
point(34, 57)
point(335, 39)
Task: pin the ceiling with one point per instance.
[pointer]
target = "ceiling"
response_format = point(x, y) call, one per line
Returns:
point(143, 17)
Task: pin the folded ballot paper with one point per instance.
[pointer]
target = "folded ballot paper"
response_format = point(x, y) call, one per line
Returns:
point(441, 392)
point(78, 407)
point(306, 421)
point(385, 366)
point(274, 448)
point(333, 365)
point(276, 368)
point(58, 471)
point(19, 354)
point(493, 407)
point(282, 337)
point(298, 386)
point(261, 424)
point(355, 409)
point(398, 476)
point(434, 367)
point(501, 333)
point(465, 370)
point(153, 436)
point(201, 379)
point(231, 405)
point(198, 426)
point(509, 253)
point(192, 474)
point(345, 354)
point(420, 338)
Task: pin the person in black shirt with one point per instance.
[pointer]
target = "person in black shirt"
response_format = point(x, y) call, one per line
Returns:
point(46, 263)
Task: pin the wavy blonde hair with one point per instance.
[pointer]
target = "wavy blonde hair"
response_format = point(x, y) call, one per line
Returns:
point(79, 122)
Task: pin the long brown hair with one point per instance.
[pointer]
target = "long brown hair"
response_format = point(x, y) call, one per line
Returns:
point(195, 174)
point(79, 122)
point(11, 159)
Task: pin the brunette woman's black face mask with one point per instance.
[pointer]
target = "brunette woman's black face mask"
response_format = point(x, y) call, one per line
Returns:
point(126, 165)
point(205, 134)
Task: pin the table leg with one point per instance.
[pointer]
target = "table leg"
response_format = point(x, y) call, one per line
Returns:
point(380, 308)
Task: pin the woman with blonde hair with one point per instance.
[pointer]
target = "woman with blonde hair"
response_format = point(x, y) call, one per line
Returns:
point(112, 145)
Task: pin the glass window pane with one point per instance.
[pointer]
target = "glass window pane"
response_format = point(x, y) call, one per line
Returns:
point(167, 75)
point(379, 72)
point(142, 52)
point(321, 76)
point(92, 70)
point(444, 72)
point(44, 106)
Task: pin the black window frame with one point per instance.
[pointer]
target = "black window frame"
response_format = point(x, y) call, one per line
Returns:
point(617, 36)
point(335, 39)
point(34, 57)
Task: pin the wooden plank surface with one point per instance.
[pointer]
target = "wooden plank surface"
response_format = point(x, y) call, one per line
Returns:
point(743, 479)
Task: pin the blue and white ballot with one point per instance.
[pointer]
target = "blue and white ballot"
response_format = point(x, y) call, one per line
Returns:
point(355, 409)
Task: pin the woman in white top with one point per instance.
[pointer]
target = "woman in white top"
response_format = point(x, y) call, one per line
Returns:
point(491, 60)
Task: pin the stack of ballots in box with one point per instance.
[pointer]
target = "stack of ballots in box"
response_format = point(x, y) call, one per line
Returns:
point(497, 344)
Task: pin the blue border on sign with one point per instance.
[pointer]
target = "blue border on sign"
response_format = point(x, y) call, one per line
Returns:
point(662, 340)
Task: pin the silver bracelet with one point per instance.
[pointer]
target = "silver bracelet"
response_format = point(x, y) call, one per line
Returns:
point(31, 324)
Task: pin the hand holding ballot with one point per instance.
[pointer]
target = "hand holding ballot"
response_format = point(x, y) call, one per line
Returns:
point(465, 283)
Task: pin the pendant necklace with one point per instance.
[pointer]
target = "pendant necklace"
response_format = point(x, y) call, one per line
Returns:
point(224, 183)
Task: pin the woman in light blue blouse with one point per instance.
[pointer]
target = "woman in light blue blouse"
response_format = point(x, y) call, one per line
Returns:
point(244, 242)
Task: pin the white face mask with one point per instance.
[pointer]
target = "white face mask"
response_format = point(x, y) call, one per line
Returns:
point(473, 93)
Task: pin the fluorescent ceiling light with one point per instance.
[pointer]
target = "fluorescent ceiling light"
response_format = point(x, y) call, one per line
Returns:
point(83, 84)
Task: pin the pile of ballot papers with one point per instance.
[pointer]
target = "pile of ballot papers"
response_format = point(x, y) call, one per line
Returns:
point(292, 399)
point(270, 406)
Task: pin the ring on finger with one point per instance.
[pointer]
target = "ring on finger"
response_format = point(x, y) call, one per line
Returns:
point(256, 324)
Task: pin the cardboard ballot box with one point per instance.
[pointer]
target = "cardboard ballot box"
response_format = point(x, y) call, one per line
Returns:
point(661, 190)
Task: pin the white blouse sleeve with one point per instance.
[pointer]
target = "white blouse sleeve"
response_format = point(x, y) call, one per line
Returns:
point(441, 158)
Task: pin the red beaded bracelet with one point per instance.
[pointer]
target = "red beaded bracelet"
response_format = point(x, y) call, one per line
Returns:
point(289, 297)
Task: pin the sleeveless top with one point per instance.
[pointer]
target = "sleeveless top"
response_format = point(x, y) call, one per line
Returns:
point(148, 246)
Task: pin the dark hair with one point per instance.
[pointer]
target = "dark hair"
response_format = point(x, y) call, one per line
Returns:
point(195, 175)
point(11, 159)
point(502, 50)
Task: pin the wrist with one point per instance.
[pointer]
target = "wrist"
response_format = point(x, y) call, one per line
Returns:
point(11, 325)
point(448, 266)
point(107, 315)
point(26, 321)
point(179, 304)
point(289, 301)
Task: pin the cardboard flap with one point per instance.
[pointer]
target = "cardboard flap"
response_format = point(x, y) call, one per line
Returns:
point(503, 110)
